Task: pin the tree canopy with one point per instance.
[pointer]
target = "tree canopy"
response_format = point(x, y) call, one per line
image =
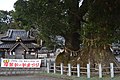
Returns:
point(94, 22)
point(104, 20)
point(52, 17)
point(63, 17)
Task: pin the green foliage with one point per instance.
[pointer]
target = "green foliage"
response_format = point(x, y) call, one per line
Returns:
point(63, 17)
point(5, 20)
point(49, 17)
point(103, 17)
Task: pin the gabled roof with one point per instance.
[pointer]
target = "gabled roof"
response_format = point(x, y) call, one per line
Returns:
point(16, 38)
point(8, 45)
point(12, 34)
point(19, 43)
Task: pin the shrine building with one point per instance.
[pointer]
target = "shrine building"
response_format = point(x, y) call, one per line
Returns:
point(18, 44)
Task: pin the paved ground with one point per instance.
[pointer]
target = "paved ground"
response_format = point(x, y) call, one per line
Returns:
point(25, 74)
point(28, 74)
point(29, 77)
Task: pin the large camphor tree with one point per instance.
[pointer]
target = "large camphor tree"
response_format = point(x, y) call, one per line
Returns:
point(94, 23)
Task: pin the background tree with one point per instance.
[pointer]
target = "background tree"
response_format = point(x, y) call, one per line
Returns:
point(5, 20)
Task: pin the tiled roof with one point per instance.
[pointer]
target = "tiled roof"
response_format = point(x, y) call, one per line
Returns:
point(17, 44)
point(12, 39)
point(15, 38)
point(6, 45)
point(10, 45)
point(12, 34)
point(30, 45)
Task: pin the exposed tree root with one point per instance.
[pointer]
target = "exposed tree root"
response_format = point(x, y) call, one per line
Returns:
point(93, 56)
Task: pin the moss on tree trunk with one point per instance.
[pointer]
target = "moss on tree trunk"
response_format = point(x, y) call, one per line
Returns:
point(91, 53)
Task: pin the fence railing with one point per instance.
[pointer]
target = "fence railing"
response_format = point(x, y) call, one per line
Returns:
point(88, 71)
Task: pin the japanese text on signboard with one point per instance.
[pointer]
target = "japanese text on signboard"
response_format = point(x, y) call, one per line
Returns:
point(21, 63)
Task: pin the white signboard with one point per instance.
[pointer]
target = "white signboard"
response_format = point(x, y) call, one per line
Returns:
point(42, 55)
point(21, 63)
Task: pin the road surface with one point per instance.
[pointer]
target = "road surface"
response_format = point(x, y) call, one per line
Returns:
point(29, 77)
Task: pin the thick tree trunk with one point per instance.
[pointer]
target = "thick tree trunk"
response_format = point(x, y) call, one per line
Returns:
point(71, 46)
point(73, 41)
point(91, 54)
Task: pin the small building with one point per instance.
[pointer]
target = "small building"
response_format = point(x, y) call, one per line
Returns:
point(18, 44)
point(115, 48)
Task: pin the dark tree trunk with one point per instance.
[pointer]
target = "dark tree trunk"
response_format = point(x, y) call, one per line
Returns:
point(93, 52)
point(72, 38)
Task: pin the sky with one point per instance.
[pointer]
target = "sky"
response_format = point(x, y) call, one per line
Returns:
point(7, 5)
